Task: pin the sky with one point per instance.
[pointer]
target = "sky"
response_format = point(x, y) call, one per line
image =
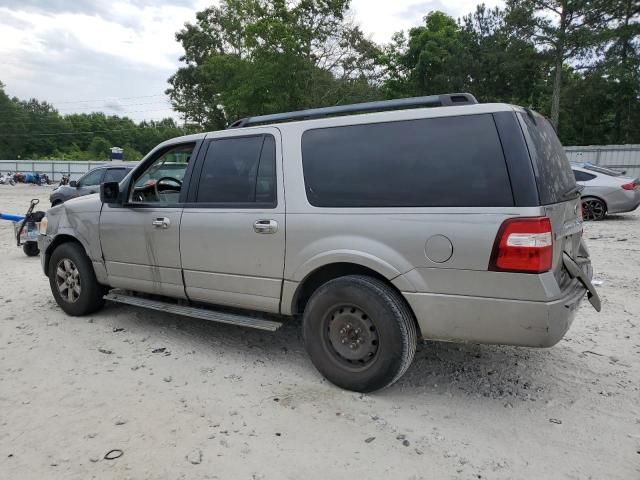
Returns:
point(116, 56)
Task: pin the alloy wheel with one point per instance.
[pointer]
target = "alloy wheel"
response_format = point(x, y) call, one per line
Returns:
point(68, 280)
point(593, 209)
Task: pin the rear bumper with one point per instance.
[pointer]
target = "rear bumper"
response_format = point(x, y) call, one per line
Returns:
point(623, 201)
point(460, 318)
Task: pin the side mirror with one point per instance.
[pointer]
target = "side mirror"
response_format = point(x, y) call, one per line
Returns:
point(73, 184)
point(110, 192)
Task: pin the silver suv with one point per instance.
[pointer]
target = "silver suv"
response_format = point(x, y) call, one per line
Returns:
point(379, 224)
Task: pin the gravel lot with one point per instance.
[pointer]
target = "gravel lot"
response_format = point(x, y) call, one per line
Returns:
point(184, 398)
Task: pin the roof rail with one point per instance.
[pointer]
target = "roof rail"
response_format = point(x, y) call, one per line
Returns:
point(445, 100)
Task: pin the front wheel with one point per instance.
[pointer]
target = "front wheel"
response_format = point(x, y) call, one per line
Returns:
point(73, 281)
point(593, 208)
point(359, 332)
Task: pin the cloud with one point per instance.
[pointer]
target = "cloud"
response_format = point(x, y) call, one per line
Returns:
point(86, 7)
point(420, 10)
point(71, 51)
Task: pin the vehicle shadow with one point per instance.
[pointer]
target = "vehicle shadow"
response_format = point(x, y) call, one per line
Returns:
point(617, 217)
point(491, 371)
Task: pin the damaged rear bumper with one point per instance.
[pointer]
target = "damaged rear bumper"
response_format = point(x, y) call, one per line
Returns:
point(461, 318)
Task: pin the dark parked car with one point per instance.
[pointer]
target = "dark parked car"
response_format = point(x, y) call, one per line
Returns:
point(89, 183)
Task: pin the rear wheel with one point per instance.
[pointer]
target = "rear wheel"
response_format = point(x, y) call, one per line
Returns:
point(593, 208)
point(359, 333)
point(73, 281)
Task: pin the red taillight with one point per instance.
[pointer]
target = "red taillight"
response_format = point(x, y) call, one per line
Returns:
point(629, 186)
point(523, 245)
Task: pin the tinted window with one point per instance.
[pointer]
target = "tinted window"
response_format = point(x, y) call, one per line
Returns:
point(553, 171)
point(453, 161)
point(115, 174)
point(582, 176)
point(92, 178)
point(239, 170)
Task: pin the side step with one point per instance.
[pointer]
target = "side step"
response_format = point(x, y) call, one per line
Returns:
point(195, 312)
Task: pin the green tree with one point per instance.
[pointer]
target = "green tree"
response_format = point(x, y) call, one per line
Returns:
point(432, 59)
point(251, 57)
point(99, 147)
point(561, 28)
point(502, 65)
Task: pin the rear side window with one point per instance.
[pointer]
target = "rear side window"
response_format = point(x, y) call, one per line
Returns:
point(550, 164)
point(239, 170)
point(438, 162)
point(582, 176)
point(115, 174)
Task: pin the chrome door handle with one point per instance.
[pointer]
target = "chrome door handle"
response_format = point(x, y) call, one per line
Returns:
point(161, 222)
point(265, 226)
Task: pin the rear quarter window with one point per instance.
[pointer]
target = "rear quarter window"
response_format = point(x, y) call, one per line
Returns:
point(554, 175)
point(435, 162)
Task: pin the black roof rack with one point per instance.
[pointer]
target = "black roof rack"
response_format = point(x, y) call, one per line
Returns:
point(445, 100)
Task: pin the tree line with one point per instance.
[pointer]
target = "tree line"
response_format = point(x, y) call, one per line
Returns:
point(32, 129)
point(576, 61)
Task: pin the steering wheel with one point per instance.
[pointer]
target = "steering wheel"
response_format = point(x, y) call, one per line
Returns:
point(172, 187)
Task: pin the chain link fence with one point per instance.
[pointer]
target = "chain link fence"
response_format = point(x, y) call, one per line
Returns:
point(55, 168)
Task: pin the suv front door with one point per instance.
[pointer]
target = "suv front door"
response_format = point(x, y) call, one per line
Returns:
point(140, 238)
point(232, 234)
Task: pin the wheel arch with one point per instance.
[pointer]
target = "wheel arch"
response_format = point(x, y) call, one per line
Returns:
point(325, 273)
point(57, 241)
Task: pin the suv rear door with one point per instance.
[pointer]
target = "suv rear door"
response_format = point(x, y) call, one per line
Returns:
point(557, 189)
point(232, 234)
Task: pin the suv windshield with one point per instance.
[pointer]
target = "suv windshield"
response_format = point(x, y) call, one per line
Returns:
point(552, 169)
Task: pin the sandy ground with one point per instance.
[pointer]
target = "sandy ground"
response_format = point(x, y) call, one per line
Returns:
point(186, 399)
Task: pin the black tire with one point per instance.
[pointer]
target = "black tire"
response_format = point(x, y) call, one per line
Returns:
point(69, 260)
point(30, 249)
point(383, 351)
point(593, 209)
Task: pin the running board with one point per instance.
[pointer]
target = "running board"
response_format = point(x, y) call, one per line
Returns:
point(195, 312)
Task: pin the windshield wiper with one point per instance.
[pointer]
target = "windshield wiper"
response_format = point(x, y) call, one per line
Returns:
point(572, 192)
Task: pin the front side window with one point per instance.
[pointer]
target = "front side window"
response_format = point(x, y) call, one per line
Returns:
point(161, 182)
point(92, 178)
point(239, 171)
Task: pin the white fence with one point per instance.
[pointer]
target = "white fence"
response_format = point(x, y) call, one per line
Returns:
point(620, 157)
point(54, 168)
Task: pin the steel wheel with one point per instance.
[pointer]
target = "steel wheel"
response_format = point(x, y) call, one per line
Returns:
point(68, 280)
point(593, 209)
point(351, 336)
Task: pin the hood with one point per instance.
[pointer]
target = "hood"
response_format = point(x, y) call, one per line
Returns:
point(83, 204)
